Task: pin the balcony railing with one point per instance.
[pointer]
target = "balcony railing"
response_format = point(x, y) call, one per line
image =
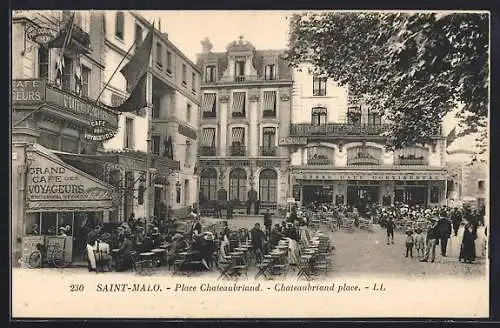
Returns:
point(207, 151)
point(237, 151)
point(248, 79)
point(363, 161)
point(319, 161)
point(412, 161)
point(268, 151)
point(269, 113)
point(238, 115)
point(239, 79)
point(209, 115)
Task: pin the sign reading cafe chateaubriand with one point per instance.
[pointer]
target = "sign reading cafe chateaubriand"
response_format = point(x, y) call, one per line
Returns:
point(56, 185)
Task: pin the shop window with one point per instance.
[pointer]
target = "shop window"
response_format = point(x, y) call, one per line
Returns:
point(238, 185)
point(435, 195)
point(208, 184)
point(32, 224)
point(268, 182)
point(49, 223)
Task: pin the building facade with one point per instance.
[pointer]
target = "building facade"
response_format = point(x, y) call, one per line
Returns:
point(245, 112)
point(54, 90)
point(338, 156)
point(175, 94)
point(467, 179)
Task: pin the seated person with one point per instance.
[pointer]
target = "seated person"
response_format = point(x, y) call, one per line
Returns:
point(276, 235)
point(103, 252)
point(147, 244)
point(156, 237)
point(202, 246)
point(178, 245)
point(124, 258)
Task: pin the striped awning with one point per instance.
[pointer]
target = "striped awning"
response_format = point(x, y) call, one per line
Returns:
point(207, 137)
point(238, 135)
point(208, 102)
point(269, 100)
point(238, 102)
point(319, 110)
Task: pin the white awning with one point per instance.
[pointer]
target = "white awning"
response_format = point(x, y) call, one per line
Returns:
point(269, 100)
point(238, 135)
point(208, 137)
point(208, 102)
point(238, 102)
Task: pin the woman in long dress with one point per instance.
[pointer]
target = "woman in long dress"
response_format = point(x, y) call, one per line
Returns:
point(468, 248)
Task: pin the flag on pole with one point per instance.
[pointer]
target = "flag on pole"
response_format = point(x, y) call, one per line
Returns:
point(135, 73)
point(67, 32)
point(451, 136)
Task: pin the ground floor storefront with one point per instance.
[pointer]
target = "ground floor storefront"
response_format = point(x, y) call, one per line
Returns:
point(363, 188)
point(251, 186)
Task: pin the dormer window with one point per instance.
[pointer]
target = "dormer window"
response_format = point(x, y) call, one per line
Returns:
point(239, 68)
point(270, 72)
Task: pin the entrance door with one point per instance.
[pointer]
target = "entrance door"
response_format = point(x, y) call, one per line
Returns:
point(84, 223)
point(318, 194)
point(360, 196)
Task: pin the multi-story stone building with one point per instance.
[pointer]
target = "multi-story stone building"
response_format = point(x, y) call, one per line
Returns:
point(245, 112)
point(337, 152)
point(56, 81)
point(175, 94)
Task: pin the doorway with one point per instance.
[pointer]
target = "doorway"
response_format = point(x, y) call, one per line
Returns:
point(361, 196)
point(317, 194)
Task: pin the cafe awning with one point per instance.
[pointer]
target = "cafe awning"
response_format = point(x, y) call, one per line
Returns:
point(55, 186)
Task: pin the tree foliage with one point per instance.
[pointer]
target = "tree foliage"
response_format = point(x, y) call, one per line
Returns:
point(413, 68)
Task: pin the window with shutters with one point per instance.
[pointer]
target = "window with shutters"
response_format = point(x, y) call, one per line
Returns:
point(239, 104)
point(270, 72)
point(209, 105)
point(319, 86)
point(318, 116)
point(85, 81)
point(269, 104)
point(210, 74)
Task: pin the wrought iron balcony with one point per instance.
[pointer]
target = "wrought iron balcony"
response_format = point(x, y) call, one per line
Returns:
point(319, 161)
point(238, 115)
point(269, 113)
point(412, 161)
point(209, 115)
point(237, 150)
point(239, 79)
point(268, 151)
point(337, 129)
point(207, 151)
point(363, 161)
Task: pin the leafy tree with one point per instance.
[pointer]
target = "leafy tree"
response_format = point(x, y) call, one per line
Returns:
point(413, 68)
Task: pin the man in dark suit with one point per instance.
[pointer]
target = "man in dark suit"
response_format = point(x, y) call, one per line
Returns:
point(268, 222)
point(432, 239)
point(444, 232)
point(258, 240)
point(456, 219)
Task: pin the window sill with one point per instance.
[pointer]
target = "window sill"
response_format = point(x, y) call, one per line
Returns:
point(159, 66)
point(120, 39)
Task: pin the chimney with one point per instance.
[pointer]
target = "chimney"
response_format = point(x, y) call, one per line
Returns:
point(206, 46)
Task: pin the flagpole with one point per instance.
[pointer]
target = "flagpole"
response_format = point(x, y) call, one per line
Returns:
point(149, 117)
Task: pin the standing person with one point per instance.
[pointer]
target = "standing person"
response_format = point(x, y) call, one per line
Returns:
point(444, 232)
point(91, 243)
point(268, 222)
point(258, 240)
point(390, 231)
point(196, 227)
point(468, 247)
point(432, 239)
point(419, 242)
point(456, 219)
point(409, 243)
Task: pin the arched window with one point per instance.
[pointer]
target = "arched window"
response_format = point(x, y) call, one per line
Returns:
point(268, 182)
point(208, 184)
point(238, 185)
point(119, 24)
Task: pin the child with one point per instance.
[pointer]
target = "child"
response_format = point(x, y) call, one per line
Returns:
point(419, 242)
point(409, 243)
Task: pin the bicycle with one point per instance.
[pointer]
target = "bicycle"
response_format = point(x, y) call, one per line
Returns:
point(51, 254)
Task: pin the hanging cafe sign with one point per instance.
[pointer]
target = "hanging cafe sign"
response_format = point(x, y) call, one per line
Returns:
point(40, 35)
point(99, 131)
